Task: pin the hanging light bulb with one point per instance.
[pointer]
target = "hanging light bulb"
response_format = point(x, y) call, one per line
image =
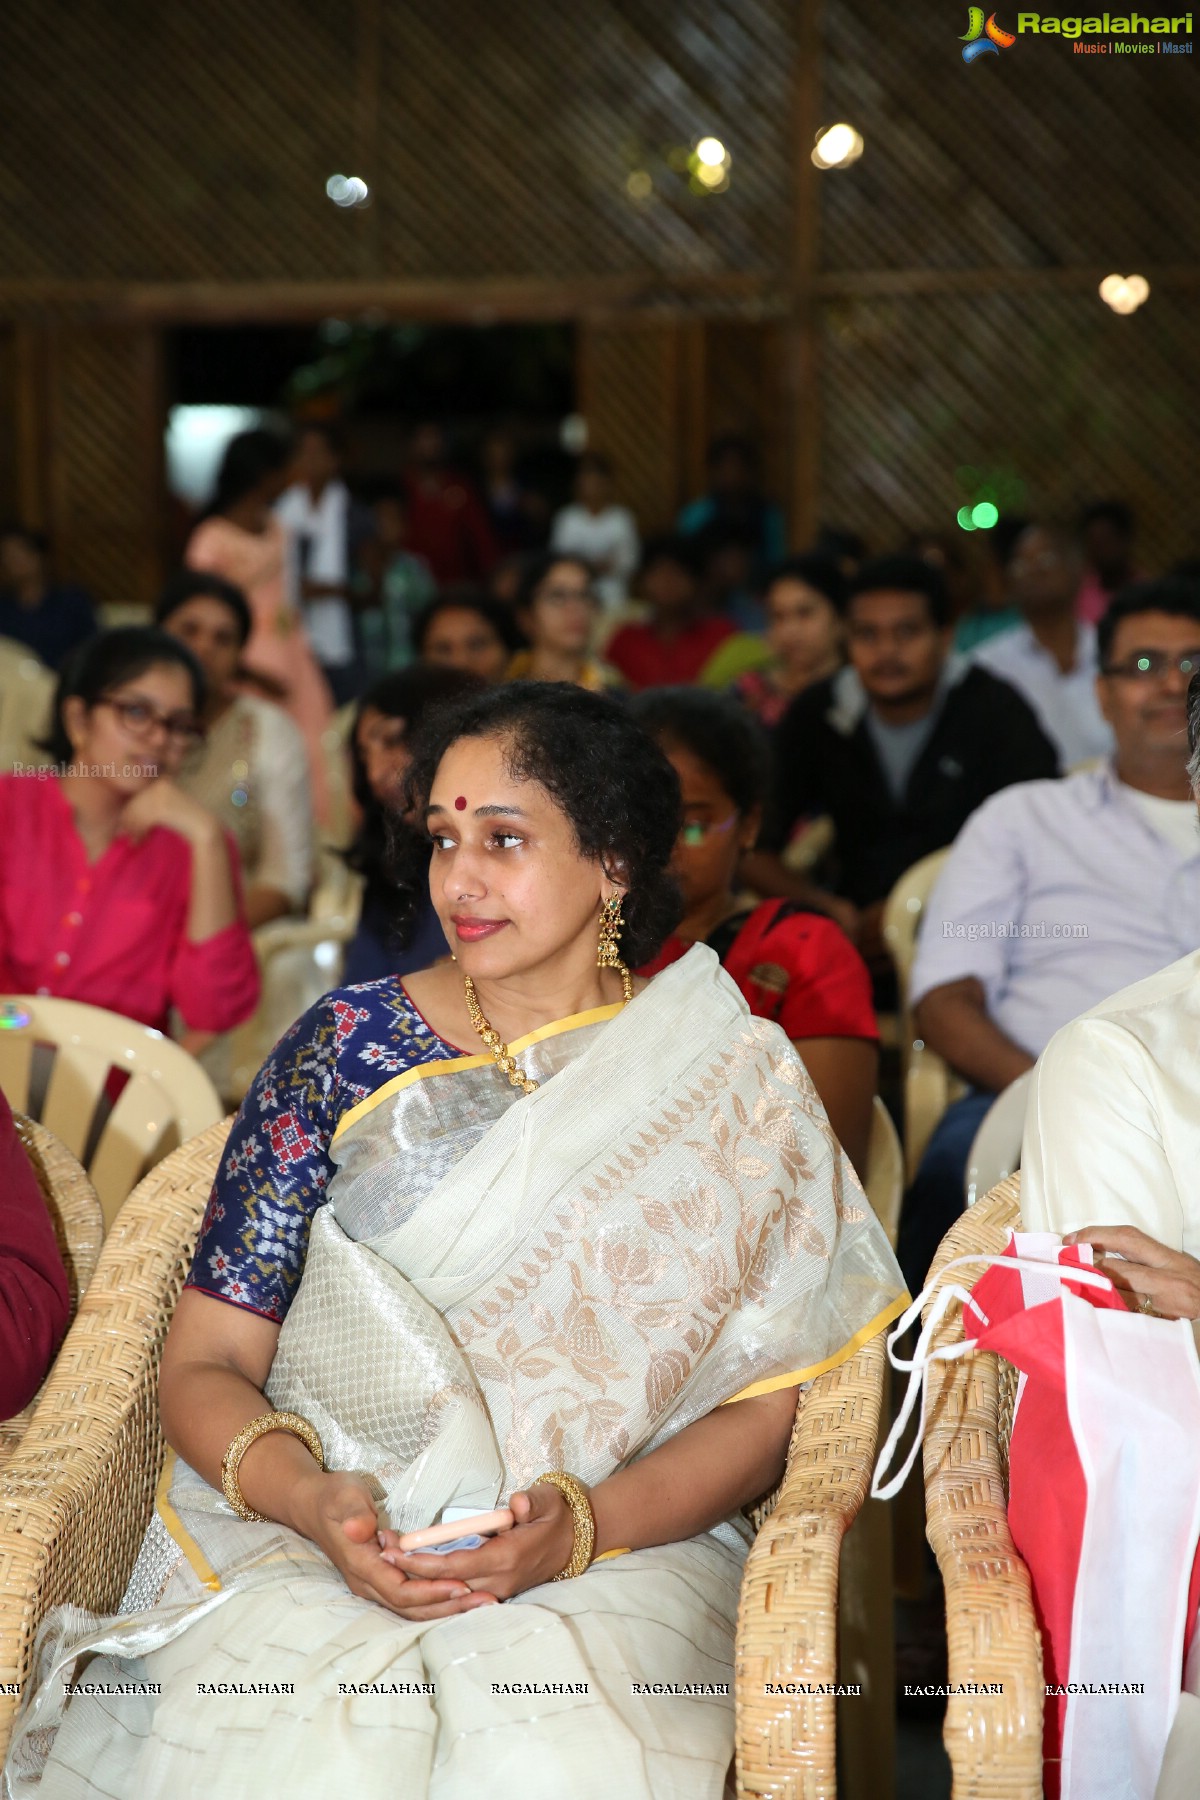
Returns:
point(837, 146)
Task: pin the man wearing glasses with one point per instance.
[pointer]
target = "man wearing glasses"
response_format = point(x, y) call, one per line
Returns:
point(1058, 893)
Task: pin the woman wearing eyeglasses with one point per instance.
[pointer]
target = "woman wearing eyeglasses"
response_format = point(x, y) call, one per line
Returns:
point(793, 966)
point(116, 888)
point(557, 608)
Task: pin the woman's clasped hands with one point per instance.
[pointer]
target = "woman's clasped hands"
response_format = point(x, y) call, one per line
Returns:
point(339, 1516)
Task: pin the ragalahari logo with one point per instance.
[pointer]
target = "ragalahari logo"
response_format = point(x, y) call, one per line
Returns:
point(984, 39)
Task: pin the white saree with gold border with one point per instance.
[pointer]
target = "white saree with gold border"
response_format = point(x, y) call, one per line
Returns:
point(497, 1285)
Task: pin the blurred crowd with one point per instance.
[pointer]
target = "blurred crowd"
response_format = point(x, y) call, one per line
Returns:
point(835, 714)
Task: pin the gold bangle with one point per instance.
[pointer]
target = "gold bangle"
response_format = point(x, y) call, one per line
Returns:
point(231, 1461)
point(583, 1518)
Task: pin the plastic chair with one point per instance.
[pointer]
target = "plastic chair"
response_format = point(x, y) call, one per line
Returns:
point(78, 1227)
point(994, 1740)
point(166, 1100)
point(26, 691)
point(76, 1496)
point(929, 1085)
point(996, 1147)
point(298, 961)
point(884, 1184)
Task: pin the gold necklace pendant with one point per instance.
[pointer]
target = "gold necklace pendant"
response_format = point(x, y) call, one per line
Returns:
point(501, 1056)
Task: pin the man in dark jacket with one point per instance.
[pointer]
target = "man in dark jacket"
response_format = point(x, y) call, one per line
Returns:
point(898, 749)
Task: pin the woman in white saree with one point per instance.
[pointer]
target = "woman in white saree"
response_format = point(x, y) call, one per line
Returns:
point(511, 1233)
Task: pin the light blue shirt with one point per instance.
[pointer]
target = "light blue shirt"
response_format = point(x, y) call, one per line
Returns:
point(1066, 705)
point(1055, 895)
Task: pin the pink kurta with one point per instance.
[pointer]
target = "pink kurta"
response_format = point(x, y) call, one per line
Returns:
point(279, 646)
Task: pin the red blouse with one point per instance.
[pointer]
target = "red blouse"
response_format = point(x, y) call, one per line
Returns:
point(793, 966)
point(112, 933)
point(35, 1302)
point(646, 660)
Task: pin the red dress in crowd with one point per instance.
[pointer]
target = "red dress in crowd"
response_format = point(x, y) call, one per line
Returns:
point(35, 1301)
point(793, 966)
point(647, 660)
point(112, 932)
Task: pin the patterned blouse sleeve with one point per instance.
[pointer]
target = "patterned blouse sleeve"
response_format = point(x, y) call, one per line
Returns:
point(275, 1170)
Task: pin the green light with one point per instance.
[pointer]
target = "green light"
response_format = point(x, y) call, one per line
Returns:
point(965, 519)
point(984, 515)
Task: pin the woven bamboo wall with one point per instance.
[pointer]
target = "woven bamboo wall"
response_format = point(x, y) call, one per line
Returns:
point(1023, 164)
point(497, 140)
point(169, 161)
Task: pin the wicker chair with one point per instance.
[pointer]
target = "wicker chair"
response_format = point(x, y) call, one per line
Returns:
point(76, 1467)
point(77, 1494)
point(78, 1226)
point(994, 1741)
point(788, 1615)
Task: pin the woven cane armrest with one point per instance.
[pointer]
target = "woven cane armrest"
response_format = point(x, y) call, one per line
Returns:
point(787, 1616)
point(76, 1496)
point(994, 1741)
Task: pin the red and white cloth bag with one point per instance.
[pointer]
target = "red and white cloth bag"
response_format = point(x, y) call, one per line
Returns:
point(1104, 1499)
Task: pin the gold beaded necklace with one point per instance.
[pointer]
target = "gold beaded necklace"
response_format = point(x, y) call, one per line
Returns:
point(501, 1056)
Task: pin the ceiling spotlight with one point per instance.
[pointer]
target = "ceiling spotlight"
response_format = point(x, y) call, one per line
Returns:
point(347, 190)
point(837, 146)
point(1124, 293)
point(712, 153)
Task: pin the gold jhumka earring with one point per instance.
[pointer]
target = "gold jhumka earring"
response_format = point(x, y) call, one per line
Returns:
point(608, 953)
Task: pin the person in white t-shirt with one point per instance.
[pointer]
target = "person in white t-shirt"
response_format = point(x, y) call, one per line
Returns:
point(325, 529)
point(604, 534)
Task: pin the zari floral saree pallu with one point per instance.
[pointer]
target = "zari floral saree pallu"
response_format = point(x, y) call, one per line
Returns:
point(497, 1285)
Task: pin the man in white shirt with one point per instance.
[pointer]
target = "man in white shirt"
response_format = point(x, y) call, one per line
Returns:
point(1057, 893)
point(1112, 1128)
point(1051, 658)
point(324, 528)
point(604, 534)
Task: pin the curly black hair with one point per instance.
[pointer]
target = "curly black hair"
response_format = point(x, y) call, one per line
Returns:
point(714, 728)
point(614, 784)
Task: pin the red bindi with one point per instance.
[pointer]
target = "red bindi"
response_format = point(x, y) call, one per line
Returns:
point(460, 805)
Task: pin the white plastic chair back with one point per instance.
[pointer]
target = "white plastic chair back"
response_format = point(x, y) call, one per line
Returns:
point(996, 1149)
point(166, 1099)
point(26, 693)
point(885, 1170)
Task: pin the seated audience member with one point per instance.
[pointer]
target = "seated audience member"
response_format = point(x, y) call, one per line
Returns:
point(251, 772)
point(464, 630)
point(596, 528)
point(1051, 658)
point(680, 637)
point(1106, 533)
point(326, 528)
point(805, 633)
point(1112, 1130)
point(1059, 892)
point(396, 585)
point(116, 887)
point(792, 965)
point(735, 499)
point(388, 716)
point(898, 749)
point(557, 610)
point(35, 1300)
point(49, 617)
point(517, 513)
point(992, 612)
point(448, 522)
